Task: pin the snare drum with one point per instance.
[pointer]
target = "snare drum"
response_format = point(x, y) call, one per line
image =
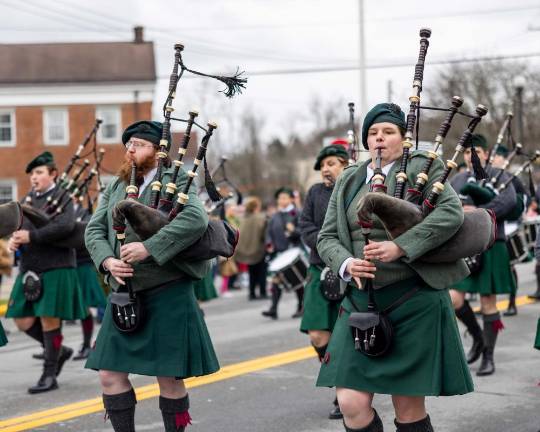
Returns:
point(517, 247)
point(530, 228)
point(290, 268)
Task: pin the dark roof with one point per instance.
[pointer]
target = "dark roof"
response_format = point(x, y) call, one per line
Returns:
point(51, 63)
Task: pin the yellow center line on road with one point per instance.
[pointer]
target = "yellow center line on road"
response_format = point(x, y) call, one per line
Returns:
point(90, 406)
point(503, 304)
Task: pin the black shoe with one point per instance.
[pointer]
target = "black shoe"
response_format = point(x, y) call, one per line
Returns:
point(511, 311)
point(298, 314)
point(39, 356)
point(263, 297)
point(65, 354)
point(476, 351)
point(46, 383)
point(83, 353)
point(270, 314)
point(535, 296)
point(335, 414)
point(252, 297)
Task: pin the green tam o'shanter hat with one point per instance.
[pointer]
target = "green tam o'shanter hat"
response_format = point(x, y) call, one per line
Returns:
point(331, 150)
point(147, 130)
point(45, 158)
point(380, 113)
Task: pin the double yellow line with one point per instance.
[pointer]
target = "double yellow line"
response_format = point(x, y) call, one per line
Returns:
point(90, 406)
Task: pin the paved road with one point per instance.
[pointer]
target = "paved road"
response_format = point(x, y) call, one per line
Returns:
point(283, 398)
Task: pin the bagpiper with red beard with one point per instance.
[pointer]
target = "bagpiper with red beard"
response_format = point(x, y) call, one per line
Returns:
point(172, 342)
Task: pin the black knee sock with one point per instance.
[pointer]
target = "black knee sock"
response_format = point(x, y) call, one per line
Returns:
point(423, 425)
point(300, 297)
point(52, 341)
point(175, 413)
point(87, 325)
point(375, 425)
point(321, 351)
point(120, 408)
point(36, 331)
point(466, 315)
point(492, 326)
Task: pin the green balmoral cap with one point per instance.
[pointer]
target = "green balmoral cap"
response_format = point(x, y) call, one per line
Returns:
point(45, 158)
point(331, 150)
point(145, 129)
point(477, 140)
point(381, 113)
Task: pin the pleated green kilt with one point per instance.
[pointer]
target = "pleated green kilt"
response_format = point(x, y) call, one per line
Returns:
point(319, 313)
point(495, 277)
point(537, 340)
point(93, 295)
point(205, 289)
point(3, 338)
point(61, 298)
point(426, 358)
point(173, 340)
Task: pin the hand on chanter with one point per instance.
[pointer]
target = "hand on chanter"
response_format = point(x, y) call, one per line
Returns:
point(133, 252)
point(118, 269)
point(360, 268)
point(385, 251)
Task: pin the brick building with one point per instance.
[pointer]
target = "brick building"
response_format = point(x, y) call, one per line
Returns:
point(51, 94)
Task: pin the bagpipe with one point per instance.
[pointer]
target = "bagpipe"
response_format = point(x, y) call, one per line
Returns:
point(219, 239)
point(69, 188)
point(401, 212)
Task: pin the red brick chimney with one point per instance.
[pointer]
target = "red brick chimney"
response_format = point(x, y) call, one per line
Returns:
point(139, 34)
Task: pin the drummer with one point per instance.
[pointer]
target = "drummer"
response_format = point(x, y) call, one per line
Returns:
point(281, 234)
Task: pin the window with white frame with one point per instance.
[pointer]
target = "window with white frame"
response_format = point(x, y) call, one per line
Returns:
point(110, 129)
point(55, 126)
point(7, 128)
point(8, 191)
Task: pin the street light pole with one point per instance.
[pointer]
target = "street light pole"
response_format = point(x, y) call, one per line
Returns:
point(362, 60)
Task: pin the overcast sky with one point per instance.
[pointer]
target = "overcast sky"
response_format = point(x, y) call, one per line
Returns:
point(288, 36)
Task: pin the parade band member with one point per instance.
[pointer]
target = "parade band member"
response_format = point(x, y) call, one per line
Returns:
point(173, 342)
point(522, 198)
point(60, 298)
point(93, 295)
point(282, 233)
point(495, 276)
point(320, 314)
point(426, 358)
point(251, 248)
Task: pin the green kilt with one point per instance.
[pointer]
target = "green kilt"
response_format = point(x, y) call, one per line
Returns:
point(93, 295)
point(61, 298)
point(173, 340)
point(205, 289)
point(537, 340)
point(495, 276)
point(426, 358)
point(319, 313)
point(3, 338)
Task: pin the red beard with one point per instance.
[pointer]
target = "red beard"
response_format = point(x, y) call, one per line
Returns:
point(143, 168)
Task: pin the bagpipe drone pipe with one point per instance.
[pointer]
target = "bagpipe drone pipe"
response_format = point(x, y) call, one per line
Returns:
point(400, 213)
point(220, 238)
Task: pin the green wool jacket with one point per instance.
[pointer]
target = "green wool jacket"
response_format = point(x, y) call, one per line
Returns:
point(161, 266)
point(335, 244)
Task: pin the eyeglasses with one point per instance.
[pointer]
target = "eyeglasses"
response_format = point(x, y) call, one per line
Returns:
point(136, 145)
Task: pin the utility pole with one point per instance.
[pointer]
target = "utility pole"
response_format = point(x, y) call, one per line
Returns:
point(362, 60)
point(389, 91)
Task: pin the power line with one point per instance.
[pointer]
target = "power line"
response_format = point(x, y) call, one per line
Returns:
point(376, 66)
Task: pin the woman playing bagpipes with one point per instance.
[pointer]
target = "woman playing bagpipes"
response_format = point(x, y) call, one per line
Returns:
point(426, 356)
point(172, 342)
